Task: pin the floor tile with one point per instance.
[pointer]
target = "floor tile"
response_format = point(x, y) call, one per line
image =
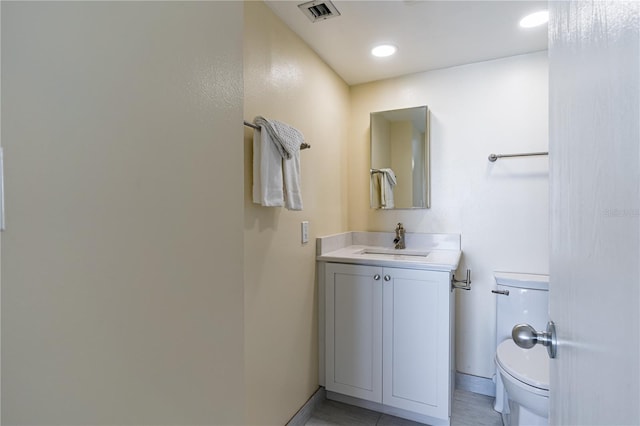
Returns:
point(336, 413)
point(472, 409)
point(387, 420)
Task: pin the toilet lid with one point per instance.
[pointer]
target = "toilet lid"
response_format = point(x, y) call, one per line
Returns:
point(530, 366)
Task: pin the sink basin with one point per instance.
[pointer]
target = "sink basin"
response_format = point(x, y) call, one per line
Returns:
point(394, 252)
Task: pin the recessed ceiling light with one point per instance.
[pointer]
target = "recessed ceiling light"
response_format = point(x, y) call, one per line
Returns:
point(384, 50)
point(535, 19)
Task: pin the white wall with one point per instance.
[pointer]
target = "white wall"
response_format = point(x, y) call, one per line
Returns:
point(500, 209)
point(122, 263)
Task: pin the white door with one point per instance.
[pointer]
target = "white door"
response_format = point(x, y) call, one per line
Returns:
point(416, 341)
point(354, 331)
point(594, 59)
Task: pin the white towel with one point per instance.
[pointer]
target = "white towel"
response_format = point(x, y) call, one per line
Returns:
point(387, 182)
point(382, 183)
point(287, 141)
point(293, 192)
point(267, 171)
point(374, 191)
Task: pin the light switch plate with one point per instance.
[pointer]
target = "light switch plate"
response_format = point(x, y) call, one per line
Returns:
point(304, 231)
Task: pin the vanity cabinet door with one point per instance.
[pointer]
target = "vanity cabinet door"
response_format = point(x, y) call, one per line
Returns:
point(353, 321)
point(416, 370)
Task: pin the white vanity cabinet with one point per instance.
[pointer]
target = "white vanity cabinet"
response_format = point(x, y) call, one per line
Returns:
point(353, 330)
point(388, 338)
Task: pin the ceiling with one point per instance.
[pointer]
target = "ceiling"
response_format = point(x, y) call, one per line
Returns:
point(429, 34)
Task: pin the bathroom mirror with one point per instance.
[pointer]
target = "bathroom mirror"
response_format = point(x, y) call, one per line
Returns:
point(399, 173)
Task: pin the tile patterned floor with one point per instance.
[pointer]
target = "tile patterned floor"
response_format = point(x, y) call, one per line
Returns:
point(469, 409)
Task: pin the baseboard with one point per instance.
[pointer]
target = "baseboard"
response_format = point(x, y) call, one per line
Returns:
point(475, 384)
point(304, 413)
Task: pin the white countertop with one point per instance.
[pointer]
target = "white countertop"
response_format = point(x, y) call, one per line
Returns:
point(436, 260)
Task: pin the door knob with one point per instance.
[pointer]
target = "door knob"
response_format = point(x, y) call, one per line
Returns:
point(376, 277)
point(527, 337)
point(387, 277)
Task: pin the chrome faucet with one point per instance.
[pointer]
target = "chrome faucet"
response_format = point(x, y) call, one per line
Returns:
point(399, 240)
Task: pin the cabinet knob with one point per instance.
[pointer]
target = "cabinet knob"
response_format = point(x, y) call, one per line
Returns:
point(376, 277)
point(387, 277)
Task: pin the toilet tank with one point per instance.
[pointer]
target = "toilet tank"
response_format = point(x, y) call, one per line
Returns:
point(527, 302)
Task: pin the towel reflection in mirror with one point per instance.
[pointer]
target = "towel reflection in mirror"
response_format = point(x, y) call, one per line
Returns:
point(382, 183)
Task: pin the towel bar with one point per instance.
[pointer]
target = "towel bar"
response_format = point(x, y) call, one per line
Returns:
point(246, 123)
point(494, 157)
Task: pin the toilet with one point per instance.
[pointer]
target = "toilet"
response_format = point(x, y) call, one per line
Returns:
point(522, 375)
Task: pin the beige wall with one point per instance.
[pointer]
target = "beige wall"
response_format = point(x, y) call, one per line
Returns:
point(122, 261)
point(401, 137)
point(501, 209)
point(286, 81)
point(381, 143)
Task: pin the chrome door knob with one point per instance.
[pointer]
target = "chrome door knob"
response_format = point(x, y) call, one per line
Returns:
point(387, 277)
point(524, 335)
point(376, 277)
point(527, 337)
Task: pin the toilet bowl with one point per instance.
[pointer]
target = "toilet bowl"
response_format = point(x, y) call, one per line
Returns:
point(525, 376)
point(522, 375)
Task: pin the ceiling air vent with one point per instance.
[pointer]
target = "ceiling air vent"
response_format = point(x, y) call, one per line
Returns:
point(319, 10)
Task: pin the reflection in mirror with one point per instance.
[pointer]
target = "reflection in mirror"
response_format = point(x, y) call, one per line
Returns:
point(400, 159)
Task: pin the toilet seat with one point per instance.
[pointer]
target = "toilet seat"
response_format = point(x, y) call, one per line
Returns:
point(529, 366)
